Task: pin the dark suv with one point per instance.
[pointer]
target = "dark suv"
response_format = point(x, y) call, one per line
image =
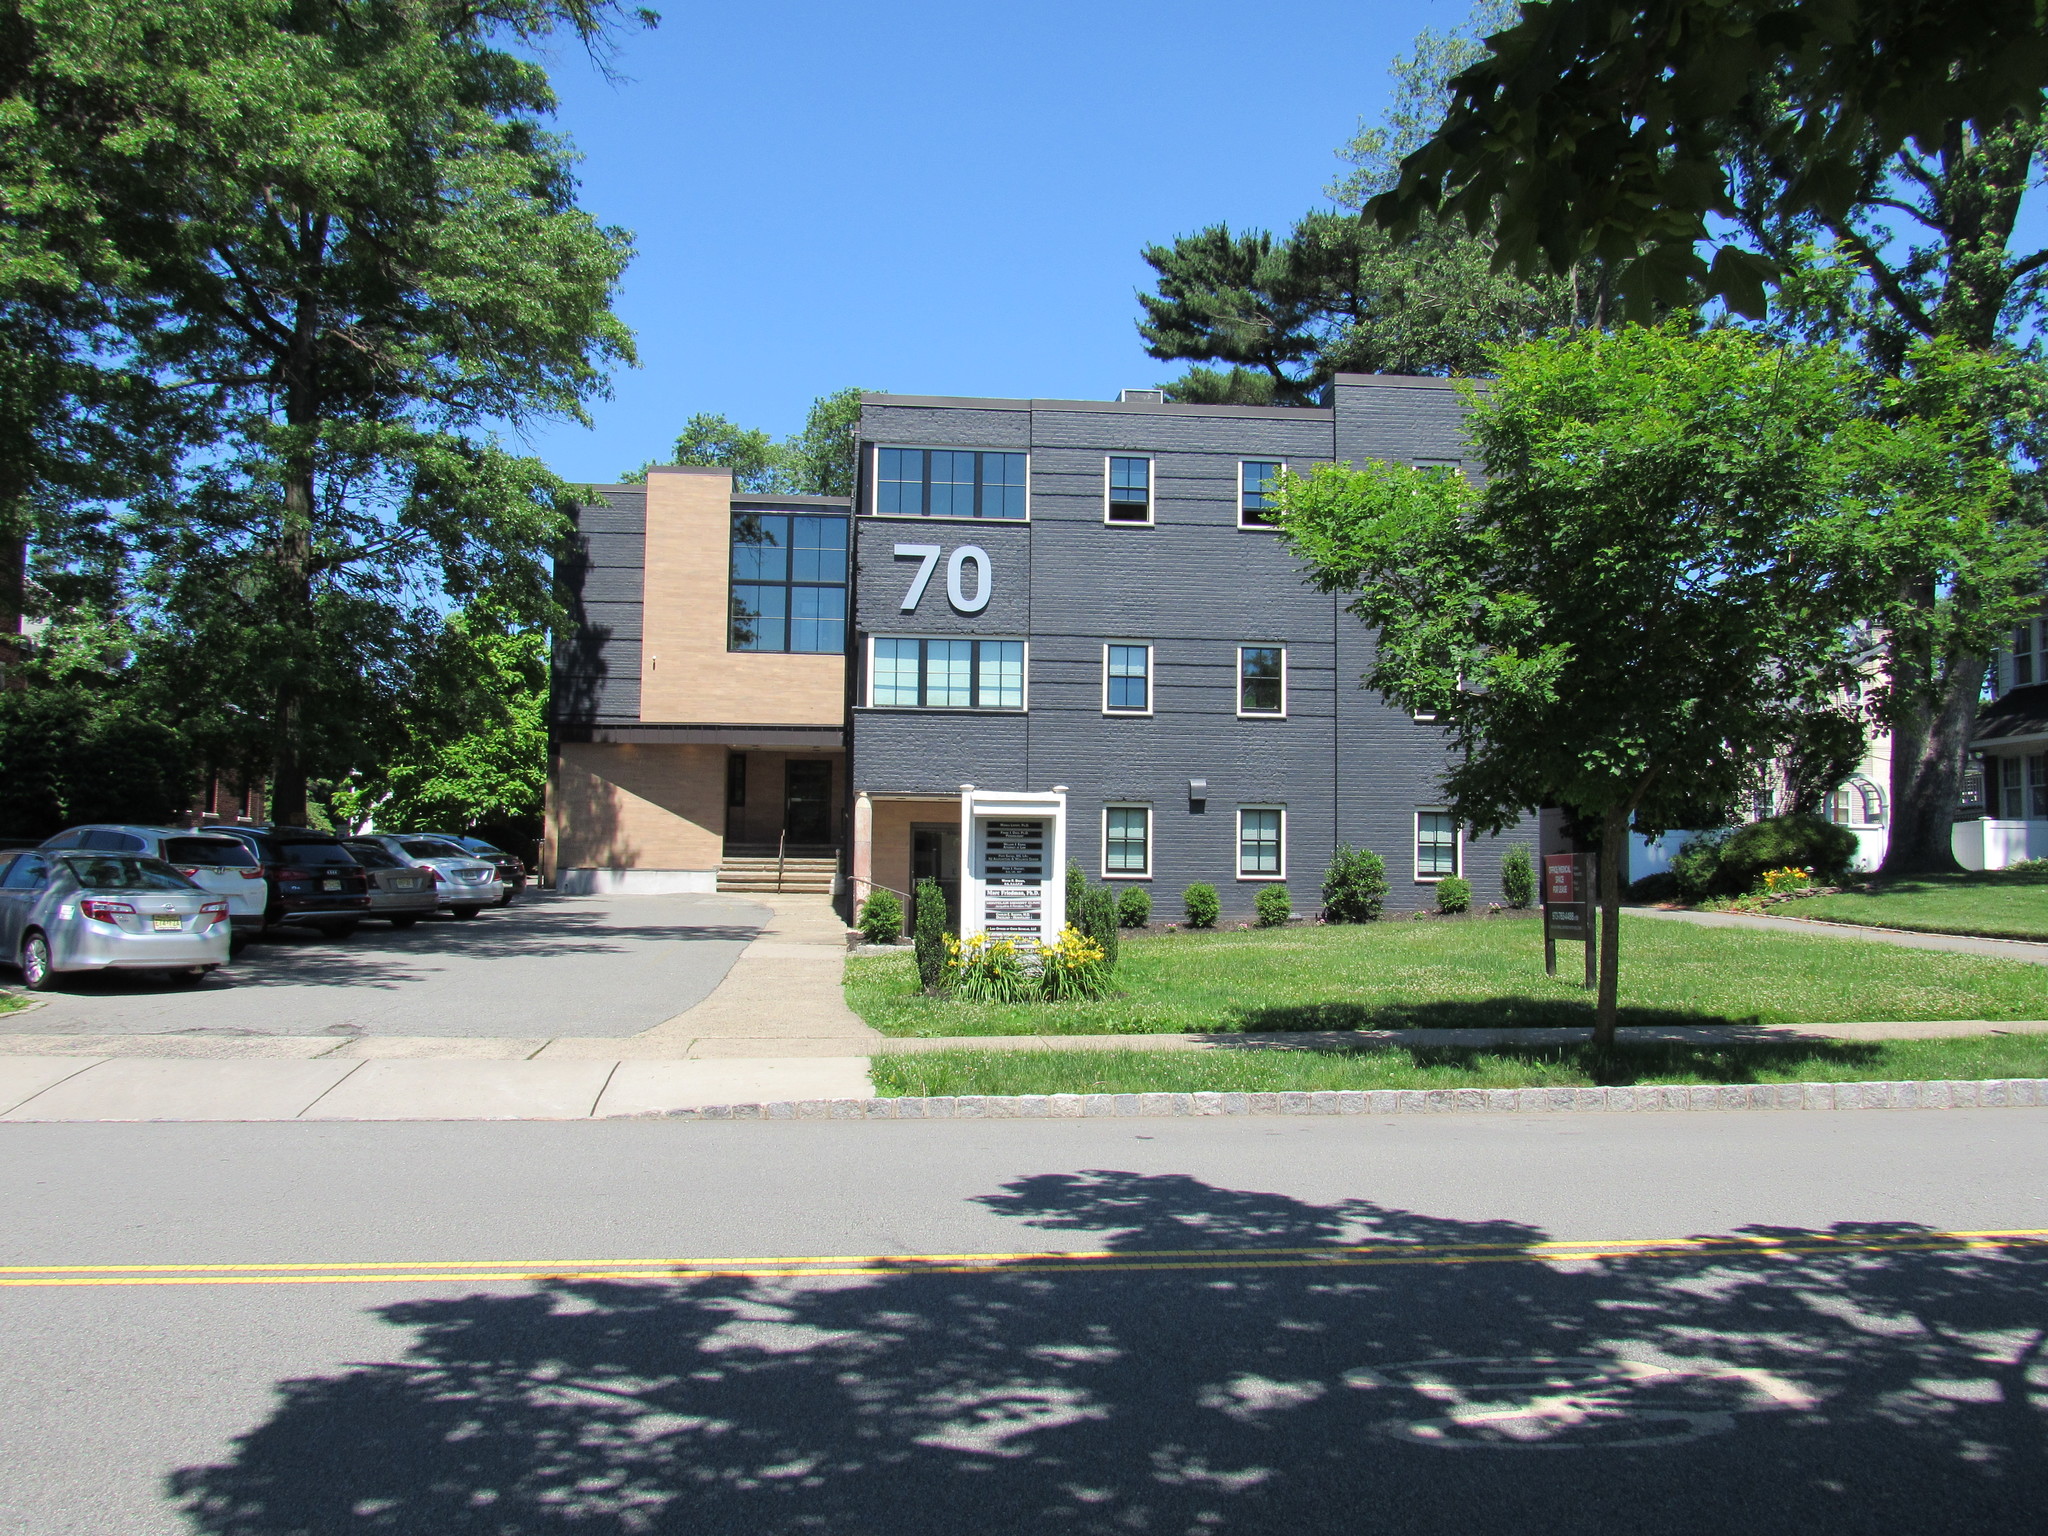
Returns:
point(311, 878)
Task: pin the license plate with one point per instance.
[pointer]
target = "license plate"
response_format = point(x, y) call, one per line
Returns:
point(330, 885)
point(164, 920)
point(405, 885)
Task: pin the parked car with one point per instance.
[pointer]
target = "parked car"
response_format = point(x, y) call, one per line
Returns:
point(226, 866)
point(309, 878)
point(511, 868)
point(399, 889)
point(466, 884)
point(80, 911)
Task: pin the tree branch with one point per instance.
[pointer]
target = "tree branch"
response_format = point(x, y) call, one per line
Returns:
point(1907, 307)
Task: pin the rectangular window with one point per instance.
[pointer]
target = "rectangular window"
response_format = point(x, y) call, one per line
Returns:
point(1130, 490)
point(2012, 789)
point(2037, 787)
point(1127, 679)
point(1255, 487)
point(2023, 655)
point(1436, 845)
point(949, 482)
point(1126, 841)
point(1261, 680)
point(736, 778)
point(788, 583)
point(947, 674)
point(1261, 845)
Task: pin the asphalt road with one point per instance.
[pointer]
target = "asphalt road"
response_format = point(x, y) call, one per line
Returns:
point(546, 965)
point(1226, 1367)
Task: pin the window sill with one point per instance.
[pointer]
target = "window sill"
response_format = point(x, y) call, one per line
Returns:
point(1260, 714)
point(935, 709)
point(1261, 879)
point(1123, 874)
point(1127, 714)
point(941, 517)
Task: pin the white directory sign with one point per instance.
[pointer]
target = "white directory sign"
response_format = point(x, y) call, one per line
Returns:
point(1014, 883)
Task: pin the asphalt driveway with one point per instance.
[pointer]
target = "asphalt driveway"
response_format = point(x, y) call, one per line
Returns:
point(548, 965)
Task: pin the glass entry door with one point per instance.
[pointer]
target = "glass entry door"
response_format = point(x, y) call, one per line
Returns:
point(807, 801)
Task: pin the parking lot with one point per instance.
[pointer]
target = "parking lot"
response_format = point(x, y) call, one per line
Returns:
point(584, 966)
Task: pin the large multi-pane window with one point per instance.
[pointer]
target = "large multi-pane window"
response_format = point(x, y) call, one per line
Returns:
point(948, 674)
point(1261, 680)
point(2023, 786)
point(948, 482)
point(1130, 490)
point(1436, 845)
point(788, 582)
point(1261, 848)
point(1126, 840)
point(1127, 679)
point(1256, 483)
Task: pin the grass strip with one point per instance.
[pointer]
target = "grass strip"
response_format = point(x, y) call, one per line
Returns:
point(1481, 972)
point(950, 1073)
point(1992, 904)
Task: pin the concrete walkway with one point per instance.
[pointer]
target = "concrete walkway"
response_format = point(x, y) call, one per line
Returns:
point(1954, 943)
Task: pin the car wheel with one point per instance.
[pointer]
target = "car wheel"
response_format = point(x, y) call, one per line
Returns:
point(335, 930)
point(191, 975)
point(504, 900)
point(36, 971)
point(403, 922)
point(466, 913)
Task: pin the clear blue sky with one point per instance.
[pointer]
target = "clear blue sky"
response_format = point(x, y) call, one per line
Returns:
point(938, 199)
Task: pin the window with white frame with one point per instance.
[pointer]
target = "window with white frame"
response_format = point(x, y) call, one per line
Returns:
point(1130, 489)
point(946, 674)
point(1436, 845)
point(1261, 842)
point(949, 482)
point(1257, 485)
point(1126, 678)
point(1261, 680)
point(1126, 842)
point(1858, 803)
point(2026, 654)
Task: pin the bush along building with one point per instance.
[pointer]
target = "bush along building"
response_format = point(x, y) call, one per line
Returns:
point(1050, 630)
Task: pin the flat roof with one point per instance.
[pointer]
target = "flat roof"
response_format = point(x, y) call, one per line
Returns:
point(1119, 407)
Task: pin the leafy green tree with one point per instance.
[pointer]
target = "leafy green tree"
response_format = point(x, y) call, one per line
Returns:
point(473, 750)
point(343, 229)
point(818, 461)
point(1612, 624)
point(711, 440)
point(1868, 159)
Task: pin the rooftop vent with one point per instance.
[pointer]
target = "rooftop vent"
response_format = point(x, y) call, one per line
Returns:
point(1142, 397)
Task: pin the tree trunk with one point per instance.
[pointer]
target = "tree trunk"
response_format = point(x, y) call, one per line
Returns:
point(295, 590)
point(1613, 858)
point(1929, 743)
point(13, 593)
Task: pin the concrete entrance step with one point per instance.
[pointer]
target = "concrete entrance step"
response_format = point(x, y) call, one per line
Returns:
point(742, 874)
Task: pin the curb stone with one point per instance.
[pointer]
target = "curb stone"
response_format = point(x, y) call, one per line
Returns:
point(1990, 1093)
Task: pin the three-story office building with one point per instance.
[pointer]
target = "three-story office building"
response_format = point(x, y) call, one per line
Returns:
point(1023, 596)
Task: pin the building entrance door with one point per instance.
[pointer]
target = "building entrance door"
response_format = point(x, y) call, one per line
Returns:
point(807, 801)
point(935, 855)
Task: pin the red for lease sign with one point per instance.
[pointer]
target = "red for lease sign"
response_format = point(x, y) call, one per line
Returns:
point(1560, 880)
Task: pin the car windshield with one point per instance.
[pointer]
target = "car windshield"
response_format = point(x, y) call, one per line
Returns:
point(218, 851)
point(433, 848)
point(314, 853)
point(371, 856)
point(119, 872)
point(478, 845)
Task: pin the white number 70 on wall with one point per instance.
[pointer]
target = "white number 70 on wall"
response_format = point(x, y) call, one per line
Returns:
point(956, 591)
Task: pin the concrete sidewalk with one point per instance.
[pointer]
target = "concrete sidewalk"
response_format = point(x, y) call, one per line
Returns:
point(139, 1088)
point(1954, 943)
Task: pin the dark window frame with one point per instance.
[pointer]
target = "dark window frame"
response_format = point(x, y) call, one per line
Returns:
point(974, 643)
point(789, 584)
point(982, 484)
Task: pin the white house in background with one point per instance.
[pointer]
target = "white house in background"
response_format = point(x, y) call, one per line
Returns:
point(2012, 740)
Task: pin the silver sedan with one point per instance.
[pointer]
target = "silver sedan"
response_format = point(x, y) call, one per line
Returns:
point(399, 889)
point(107, 911)
point(463, 883)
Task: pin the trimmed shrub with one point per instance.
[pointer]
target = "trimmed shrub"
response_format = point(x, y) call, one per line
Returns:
point(1203, 905)
point(1355, 888)
point(1696, 868)
point(929, 931)
point(1453, 894)
point(1661, 886)
point(1072, 966)
point(1518, 877)
point(1077, 891)
point(1099, 907)
point(1273, 906)
point(1134, 907)
point(1800, 841)
point(881, 918)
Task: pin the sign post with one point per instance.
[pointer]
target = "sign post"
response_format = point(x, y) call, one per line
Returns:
point(1013, 873)
point(1569, 881)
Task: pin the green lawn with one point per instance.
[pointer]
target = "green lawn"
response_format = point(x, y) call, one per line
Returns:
point(1486, 972)
point(1999, 904)
point(1274, 1071)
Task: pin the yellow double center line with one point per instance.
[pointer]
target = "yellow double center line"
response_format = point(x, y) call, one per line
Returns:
point(1350, 1256)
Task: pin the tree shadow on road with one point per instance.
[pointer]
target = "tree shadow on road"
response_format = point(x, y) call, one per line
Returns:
point(1848, 1380)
